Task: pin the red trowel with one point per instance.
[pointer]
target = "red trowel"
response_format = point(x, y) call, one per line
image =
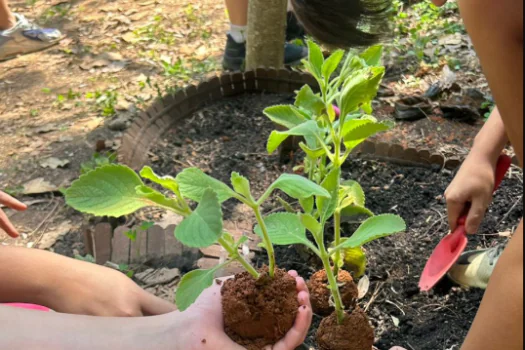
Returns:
point(451, 247)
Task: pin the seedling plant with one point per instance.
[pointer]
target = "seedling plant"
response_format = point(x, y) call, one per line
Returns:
point(116, 190)
point(330, 135)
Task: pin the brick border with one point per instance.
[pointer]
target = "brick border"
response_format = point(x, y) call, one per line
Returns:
point(166, 111)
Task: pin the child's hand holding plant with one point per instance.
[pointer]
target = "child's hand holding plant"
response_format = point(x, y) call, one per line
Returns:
point(206, 315)
point(259, 307)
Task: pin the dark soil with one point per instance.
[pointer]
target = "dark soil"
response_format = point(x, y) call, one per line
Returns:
point(230, 135)
point(354, 334)
point(320, 294)
point(259, 312)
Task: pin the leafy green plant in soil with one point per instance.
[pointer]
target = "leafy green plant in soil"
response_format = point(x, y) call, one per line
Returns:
point(329, 140)
point(116, 190)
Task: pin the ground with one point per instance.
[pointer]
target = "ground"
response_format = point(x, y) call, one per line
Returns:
point(117, 57)
point(59, 106)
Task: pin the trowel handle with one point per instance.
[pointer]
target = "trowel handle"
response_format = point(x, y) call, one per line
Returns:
point(504, 163)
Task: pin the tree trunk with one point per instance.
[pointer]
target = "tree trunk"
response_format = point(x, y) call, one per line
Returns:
point(266, 33)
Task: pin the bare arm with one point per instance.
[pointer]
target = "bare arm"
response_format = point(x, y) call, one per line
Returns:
point(474, 183)
point(28, 330)
point(496, 28)
point(492, 138)
point(72, 286)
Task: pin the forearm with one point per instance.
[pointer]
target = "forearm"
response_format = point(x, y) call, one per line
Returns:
point(492, 139)
point(29, 274)
point(28, 330)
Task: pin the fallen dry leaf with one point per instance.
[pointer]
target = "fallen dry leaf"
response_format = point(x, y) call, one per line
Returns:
point(52, 236)
point(54, 163)
point(505, 234)
point(154, 277)
point(363, 287)
point(39, 186)
point(130, 38)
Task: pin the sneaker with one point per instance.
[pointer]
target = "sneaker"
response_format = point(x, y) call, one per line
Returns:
point(26, 37)
point(235, 54)
point(475, 268)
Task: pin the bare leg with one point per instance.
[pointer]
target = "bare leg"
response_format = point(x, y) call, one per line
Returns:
point(7, 20)
point(496, 28)
point(237, 10)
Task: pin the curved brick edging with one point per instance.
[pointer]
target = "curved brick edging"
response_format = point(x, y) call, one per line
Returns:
point(165, 112)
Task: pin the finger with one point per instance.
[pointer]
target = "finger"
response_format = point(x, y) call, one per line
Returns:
point(153, 306)
point(304, 299)
point(7, 226)
point(293, 273)
point(476, 215)
point(455, 207)
point(10, 202)
point(298, 333)
point(397, 348)
point(301, 285)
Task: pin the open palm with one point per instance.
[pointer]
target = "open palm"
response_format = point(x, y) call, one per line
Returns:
point(209, 332)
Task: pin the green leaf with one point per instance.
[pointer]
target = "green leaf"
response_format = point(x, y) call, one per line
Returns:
point(316, 58)
point(107, 191)
point(353, 123)
point(373, 55)
point(286, 205)
point(374, 228)
point(287, 116)
point(193, 182)
point(131, 235)
point(285, 229)
point(241, 185)
point(204, 226)
point(311, 224)
point(230, 240)
point(331, 64)
point(359, 134)
point(308, 101)
point(146, 225)
point(360, 88)
point(157, 198)
point(191, 287)
point(307, 204)
point(241, 241)
point(307, 129)
point(355, 261)
point(327, 206)
point(312, 153)
point(355, 210)
point(167, 182)
point(297, 187)
point(352, 194)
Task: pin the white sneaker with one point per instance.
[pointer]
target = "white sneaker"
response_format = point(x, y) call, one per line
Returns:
point(26, 37)
point(475, 268)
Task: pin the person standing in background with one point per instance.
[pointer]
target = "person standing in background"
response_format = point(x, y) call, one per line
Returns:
point(235, 51)
point(19, 36)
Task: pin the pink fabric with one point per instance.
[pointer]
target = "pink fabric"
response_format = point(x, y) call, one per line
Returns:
point(29, 306)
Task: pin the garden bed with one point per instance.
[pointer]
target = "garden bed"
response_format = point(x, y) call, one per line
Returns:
point(230, 135)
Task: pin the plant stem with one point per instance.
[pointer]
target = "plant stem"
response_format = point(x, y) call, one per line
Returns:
point(332, 280)
point(337, 231)
point(311, 170)
point(266, 238)
point(234, 254)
